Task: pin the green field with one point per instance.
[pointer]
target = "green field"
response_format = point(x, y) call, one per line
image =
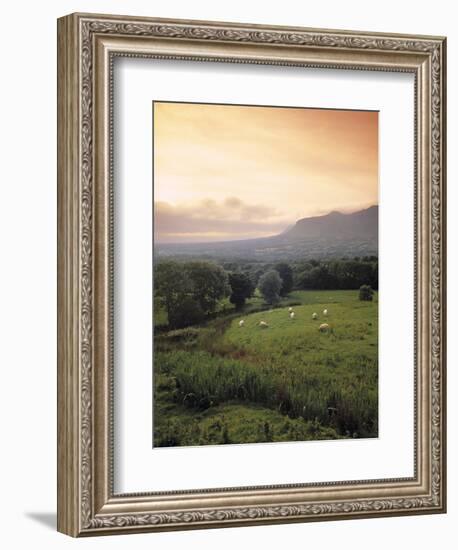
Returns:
point(221, 383)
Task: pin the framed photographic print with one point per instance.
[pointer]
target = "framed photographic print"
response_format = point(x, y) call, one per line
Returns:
point(251, 281)
point(265, 314)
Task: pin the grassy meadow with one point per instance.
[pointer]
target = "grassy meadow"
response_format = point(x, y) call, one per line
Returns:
point(220, 383)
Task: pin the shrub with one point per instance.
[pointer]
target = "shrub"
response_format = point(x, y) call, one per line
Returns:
point(366, 293)
point(187, 312)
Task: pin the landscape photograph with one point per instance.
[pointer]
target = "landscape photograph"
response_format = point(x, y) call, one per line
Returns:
point(265, 274)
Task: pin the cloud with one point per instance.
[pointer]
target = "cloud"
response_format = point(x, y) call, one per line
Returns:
point(233, 202)
point(225, 172)
point(209, 220)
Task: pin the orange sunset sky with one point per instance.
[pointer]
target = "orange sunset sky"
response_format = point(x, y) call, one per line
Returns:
point(227, 172)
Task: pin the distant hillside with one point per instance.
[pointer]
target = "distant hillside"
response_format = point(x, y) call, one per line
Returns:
point(335, 224)
point(332, 235)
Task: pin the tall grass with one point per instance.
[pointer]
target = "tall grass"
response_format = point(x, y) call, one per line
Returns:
point(327, 380)
point(201, 380)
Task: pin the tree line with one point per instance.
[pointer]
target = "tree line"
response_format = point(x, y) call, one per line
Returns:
point(191, 291)
point(337, 274)
point(345, 274)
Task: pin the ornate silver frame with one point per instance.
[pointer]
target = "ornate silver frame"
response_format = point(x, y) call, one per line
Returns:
point(87, 45)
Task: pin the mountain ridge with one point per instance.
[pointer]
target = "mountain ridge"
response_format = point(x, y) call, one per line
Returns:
point(336, 222)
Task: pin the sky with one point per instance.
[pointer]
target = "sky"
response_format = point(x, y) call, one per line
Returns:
point(228, 172)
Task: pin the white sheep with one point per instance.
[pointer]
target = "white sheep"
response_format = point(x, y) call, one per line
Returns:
point(290, 309)
point(314, 316)
point(263, 324)
point(241, 323)
point(324, 327)
point(291, 315)
point(325, 311)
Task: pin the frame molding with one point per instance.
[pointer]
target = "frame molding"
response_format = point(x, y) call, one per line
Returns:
point(87, 45)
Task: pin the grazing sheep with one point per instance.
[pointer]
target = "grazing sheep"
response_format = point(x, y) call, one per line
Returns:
point(325, 311)
point(241, 323)
point(324, 327)
point(290, 309)
point(291, 315)
point(263, 324)
point(314, 316)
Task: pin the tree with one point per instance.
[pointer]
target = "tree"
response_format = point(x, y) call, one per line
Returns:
point(270, 285)
point(189, 291)
point(304, 280)
point(209, 284)
point(321, 278)
point(366, 293)
point(286, 275)
point(171, 286)
point(241, 288)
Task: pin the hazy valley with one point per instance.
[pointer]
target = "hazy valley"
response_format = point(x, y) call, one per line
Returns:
point(333, 235)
